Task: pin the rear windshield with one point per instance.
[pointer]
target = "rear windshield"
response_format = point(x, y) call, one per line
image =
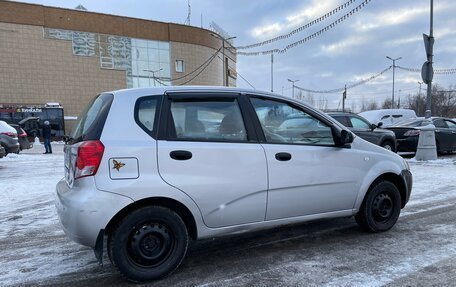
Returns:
point(91, 121)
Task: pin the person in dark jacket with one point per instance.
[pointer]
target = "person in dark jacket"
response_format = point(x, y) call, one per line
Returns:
point(46, 132)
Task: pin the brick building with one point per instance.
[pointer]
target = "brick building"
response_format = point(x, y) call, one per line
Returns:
point(68, 56)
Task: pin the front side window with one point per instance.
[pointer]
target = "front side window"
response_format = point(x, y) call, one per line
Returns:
point(283, 123)
point(359, 123)
point(207, 120)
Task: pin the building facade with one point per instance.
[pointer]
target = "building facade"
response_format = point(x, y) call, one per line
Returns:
point(68, 56)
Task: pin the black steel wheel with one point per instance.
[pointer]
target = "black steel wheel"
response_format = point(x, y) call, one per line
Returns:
point(381, 207)
point(148, 244)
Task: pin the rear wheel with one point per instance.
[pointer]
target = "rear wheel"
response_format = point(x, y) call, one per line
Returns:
point(381, 207)
point(148, 244)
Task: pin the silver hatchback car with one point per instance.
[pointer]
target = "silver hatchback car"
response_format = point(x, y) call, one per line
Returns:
point(147, 169)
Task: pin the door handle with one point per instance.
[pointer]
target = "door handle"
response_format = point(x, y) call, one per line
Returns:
point(180, 155)
point(283, 156)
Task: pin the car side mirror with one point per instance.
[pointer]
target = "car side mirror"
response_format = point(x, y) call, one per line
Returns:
point(373, 127)
point(346, 137)
point(379, 124)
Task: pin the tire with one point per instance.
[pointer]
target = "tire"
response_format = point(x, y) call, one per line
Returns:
point(148, 244)
point(388, 145)
point(381, 207)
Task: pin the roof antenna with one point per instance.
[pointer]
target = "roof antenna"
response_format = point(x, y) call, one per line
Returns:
point(187, 21)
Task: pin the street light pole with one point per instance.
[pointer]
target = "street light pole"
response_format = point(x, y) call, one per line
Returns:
point(153, 73)
point(420, 83)
point(293, 87)
point(394, 68)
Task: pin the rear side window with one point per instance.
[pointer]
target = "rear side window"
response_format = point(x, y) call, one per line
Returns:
point(207, 120)
point(440, 124)
point(146, 114)
point(343, 120)
point(91, 121)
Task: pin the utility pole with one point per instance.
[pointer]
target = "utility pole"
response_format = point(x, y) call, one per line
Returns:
point(224, 63)
point(427, 71)
point(344, 97)
point(293, 87)
point(394, 68)
point(272, 72)
point(399, 100)
point(427, 147)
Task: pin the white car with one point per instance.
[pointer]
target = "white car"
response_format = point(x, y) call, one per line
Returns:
point(146, 169)
point(388, 117)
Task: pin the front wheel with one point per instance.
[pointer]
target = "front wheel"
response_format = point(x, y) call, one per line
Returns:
point(381, 208)
point(148, 244)
point(388, 145)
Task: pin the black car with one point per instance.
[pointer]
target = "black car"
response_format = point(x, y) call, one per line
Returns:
point(407, 134)
point(365, 130)
point(22, 136)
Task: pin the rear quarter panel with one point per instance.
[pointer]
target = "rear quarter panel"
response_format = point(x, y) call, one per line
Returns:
point(124, 139)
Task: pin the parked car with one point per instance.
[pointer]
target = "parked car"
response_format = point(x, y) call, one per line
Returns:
point(367, 131)
point(8, 138)
point(22, 137)
point(388, 117)
point(171, 174)
point(2, 151)
point(407, 134)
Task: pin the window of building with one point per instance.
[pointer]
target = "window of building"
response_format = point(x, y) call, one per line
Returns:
point(180, 66)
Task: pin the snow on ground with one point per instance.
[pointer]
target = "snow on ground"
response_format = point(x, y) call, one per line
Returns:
point(27, 183)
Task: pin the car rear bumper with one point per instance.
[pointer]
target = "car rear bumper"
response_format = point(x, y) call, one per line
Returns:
point(407, 144)
point(84, 210)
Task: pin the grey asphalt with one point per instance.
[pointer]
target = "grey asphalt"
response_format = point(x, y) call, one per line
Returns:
point(418, 251)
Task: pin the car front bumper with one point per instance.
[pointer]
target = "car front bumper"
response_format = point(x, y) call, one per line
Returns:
point(84, 210)
point(408, 181)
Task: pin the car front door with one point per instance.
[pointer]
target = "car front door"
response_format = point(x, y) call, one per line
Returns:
point(208, 149)
point(363, 129)
point(307, 173)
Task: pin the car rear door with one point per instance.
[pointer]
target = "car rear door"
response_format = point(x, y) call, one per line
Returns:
point(452, 133)
point(308, 174)
point(443, 134)
point(207, 148)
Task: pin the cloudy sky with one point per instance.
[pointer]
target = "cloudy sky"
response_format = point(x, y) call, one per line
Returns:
point(351, 51)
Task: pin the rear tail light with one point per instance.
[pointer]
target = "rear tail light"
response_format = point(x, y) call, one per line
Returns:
point(23, 133)
point(10, 134)
point(88, 158)
point(412, 133)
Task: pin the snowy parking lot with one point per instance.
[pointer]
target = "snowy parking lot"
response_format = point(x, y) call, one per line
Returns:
point(418, 251)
